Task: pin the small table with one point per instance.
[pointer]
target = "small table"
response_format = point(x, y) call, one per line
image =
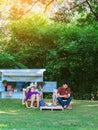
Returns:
point(51, 108)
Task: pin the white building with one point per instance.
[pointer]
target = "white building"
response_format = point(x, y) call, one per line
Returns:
point(16, 77)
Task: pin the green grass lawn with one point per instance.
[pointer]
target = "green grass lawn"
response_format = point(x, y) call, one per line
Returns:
point(14, 116)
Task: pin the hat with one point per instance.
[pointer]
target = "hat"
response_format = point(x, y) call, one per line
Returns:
point(33, 85)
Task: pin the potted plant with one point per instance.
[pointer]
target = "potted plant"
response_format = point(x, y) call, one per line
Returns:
point(5, 84)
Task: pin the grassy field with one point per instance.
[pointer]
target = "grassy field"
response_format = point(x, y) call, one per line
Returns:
point(14, 116)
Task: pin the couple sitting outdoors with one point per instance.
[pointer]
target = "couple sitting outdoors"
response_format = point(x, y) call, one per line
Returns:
point(33, 94)
point(63, 93)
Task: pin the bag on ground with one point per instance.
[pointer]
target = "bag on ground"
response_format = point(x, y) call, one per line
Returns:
point(42, 103)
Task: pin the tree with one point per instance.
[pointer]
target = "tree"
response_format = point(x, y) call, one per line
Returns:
point(76, 59)
point(72, 9)
point(67, 48)
point(8, 61)
point(32, 39)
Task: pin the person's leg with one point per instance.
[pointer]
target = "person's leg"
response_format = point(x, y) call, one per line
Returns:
point(68, 101)
point(60, 100)
point(32, 100)
point(37, 99)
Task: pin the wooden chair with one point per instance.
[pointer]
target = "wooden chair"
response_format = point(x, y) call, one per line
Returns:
point(54, 98)
point(27, 103)
point(55, 101)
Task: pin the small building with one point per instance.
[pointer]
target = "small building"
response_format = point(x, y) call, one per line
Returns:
point(17, 79)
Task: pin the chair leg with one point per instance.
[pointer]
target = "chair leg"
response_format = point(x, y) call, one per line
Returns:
point(54, 99)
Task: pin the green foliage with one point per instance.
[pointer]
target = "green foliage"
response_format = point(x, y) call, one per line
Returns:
point(4, 81)
point(76, 59)
point(8, 61)
point(83, 11)
point(33, 37)
point(67, 51)
point(29, 28)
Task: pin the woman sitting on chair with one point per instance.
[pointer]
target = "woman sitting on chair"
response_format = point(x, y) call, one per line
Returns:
point(33, 94)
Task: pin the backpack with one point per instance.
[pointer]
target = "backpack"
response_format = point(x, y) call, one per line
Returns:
point(42, 103)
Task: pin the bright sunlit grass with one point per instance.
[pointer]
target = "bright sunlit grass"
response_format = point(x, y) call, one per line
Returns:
point(14, 116)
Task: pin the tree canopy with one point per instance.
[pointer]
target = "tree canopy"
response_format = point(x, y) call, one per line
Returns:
point(59, 35)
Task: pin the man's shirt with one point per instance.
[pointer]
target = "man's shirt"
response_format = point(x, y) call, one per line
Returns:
point(64, 91)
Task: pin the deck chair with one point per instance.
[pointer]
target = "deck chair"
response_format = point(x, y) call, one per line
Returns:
point(55, 101)
point(27, 104)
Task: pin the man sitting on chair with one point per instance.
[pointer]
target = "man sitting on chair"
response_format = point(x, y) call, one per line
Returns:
point(63, 93)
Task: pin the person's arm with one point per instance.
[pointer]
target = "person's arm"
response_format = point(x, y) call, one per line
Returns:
point(63, 96)
point(59, 95)
point(69, 92)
